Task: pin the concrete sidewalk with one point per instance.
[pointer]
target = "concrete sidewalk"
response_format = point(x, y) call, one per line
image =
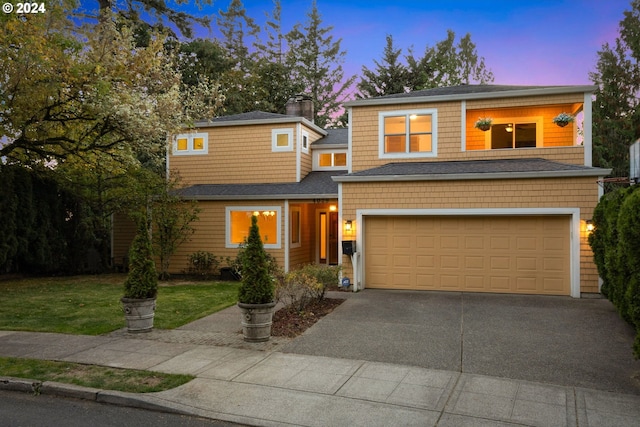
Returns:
point(257, 384)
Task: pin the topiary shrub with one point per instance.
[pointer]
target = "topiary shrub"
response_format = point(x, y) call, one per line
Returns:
point(257, 285)
point(142, 280)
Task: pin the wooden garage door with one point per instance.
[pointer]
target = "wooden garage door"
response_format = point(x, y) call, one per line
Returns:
point(522, 254)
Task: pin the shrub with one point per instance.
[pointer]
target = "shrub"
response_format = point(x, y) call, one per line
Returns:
point(142, 280)
point(326, 275)
point(203, 264)
point(297, 289)
point(236, 263)
point(257, 284)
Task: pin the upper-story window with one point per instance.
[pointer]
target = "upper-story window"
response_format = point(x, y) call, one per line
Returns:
point(326, 160)
point(191, 143)
point(408, 133)
point(515, 133)
point(305, 141)
point(282, 140)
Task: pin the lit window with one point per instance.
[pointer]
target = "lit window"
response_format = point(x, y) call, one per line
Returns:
point(239, 222)
point(282, 139)
point(193, 143)
point(523, 132)
point(325, 159)
point(330, 160)
point(408, 134)
point(340, 159)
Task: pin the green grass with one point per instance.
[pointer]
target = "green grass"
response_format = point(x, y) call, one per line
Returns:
point(100, 377)
point(90, 305)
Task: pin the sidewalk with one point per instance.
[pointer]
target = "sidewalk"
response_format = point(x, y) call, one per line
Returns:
point(256, 384)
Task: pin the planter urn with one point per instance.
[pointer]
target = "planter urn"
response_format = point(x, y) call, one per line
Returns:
point(139, 314)
point(256, 321)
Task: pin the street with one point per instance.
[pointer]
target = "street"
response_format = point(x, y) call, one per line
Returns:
point(26, 410)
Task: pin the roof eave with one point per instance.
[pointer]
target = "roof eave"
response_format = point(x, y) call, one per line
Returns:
point(554, 90)
point(292, 119)
point(596, 172)
point(261, 197)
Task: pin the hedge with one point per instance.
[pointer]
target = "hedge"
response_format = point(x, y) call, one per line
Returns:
point(615, 242)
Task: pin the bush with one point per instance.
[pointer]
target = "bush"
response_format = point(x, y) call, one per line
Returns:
point(298, 289)
point(203, 264)
point(616, 246)
point(236, 263)
point(257, 285)
point(142, 280)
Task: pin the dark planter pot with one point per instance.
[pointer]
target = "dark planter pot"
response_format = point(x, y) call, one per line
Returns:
point(256, 321)
point(139, 314)
point(484, 128)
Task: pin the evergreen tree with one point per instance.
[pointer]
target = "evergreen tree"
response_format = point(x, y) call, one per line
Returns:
point(257, 284)
point(389, 76)
point(316, 60)
point(616, 109)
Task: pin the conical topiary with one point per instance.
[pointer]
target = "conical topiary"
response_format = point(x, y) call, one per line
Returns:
point(142, 280)
point(257, 287)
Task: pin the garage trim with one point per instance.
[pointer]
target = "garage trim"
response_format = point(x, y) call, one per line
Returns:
point(574, 234)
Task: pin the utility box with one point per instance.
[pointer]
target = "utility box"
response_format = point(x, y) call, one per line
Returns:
point(348, 247)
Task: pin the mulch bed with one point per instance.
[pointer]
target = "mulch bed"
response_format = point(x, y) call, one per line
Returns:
point(291, 323)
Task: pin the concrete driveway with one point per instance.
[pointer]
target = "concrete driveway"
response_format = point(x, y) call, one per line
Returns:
point(556, 340)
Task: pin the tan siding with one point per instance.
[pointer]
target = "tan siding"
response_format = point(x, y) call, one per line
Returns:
point(365, 135)
point(210, 235)
point(238, 154)
point(518, 193)
point(305, 254)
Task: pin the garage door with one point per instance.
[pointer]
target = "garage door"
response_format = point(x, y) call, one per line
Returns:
point(523, 254)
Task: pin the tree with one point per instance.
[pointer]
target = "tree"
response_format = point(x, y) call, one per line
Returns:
point(172, 217)
point(389, 77)
point(157, 11)
point(257, 285)
point(316, 59)
point(448, 64)
point(616, 108)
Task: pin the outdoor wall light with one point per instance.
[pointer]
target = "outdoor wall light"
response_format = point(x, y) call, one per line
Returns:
point(333, 208)
point(348, 226)
point(590, 226)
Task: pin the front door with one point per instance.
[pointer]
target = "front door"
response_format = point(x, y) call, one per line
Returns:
point(328, 237)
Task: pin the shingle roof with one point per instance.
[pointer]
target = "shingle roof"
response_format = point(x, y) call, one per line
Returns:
point(472, 169)
point(333, 137)
point(253, 115)
point(314, 185)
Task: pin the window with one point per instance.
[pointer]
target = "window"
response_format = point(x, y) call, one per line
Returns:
point(330, 160)
point(408, 133)
point(282, 140)
point(515, 133)
point(295, 227)
point(239, 222)
point(191, 143)
point(305, 141)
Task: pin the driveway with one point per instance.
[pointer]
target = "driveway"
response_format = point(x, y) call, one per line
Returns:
point(556, 340)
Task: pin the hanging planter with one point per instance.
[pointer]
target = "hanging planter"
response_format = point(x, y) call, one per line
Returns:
point(483, 123)
point(563, 119)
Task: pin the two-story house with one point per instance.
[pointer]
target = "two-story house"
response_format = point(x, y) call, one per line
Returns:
point(430, 201)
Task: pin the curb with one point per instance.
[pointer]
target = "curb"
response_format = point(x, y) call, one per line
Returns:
point(110, 397)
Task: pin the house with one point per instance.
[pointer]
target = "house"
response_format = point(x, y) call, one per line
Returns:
point(425, 199)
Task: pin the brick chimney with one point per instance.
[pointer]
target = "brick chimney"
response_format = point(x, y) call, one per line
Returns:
point(301, 106)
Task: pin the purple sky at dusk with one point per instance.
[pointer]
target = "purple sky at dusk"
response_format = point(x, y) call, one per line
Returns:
point(542, 42)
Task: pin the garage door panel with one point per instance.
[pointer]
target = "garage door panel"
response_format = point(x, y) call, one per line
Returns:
point(486, 254)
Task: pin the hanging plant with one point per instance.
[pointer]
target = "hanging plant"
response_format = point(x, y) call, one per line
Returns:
point(563, 119)
point(483, 123)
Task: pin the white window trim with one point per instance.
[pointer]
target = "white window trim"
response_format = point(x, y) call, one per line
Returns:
point(434, 133)
point(227, 225)
point(538, 120)
point(304, 134)
point(291, 234)
point(316, 160)
point(190, 151)
point(274, 140)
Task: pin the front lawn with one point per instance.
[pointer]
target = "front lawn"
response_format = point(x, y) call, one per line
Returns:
point(90, 305)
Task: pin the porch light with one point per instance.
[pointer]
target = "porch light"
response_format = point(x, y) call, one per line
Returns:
point(590, 226)
point(509, 128)
point(333, 208)
point(348, 226)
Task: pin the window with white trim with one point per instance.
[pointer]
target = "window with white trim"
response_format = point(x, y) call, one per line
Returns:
point(190, 144)
point(282, 139)
point(411, 133)
point(238, 222)
point(305, 141)
point(330, 160)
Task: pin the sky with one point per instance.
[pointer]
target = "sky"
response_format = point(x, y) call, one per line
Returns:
point(524, 42)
